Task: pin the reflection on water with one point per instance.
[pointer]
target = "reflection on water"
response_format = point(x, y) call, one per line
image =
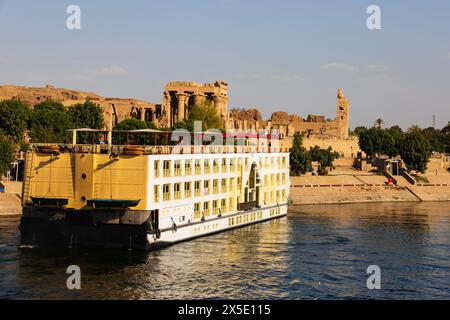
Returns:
point(317, 252)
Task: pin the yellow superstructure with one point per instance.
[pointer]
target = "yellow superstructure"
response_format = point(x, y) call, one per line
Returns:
point(80, 177)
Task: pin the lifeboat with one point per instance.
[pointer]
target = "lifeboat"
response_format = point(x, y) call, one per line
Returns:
point(133, 150)
point(49, 149)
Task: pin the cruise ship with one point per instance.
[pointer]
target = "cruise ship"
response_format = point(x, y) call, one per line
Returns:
point(139, 189)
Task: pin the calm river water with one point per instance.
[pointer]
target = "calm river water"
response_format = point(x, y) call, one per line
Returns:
point(317, 252)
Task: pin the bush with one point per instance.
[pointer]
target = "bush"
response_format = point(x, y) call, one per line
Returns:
point(6, 153)
point(416, 151)
point(13, 118)
point(49, 122)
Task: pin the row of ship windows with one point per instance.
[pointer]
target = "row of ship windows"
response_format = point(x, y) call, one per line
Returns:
point(252, 217)
point(194, 188)
point(206, 166)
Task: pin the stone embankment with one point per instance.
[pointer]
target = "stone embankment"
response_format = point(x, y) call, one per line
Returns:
point(352, 188)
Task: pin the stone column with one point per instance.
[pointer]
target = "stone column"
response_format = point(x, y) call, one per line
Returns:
point(221, 105)
point(182, 102)
point(167, 108)
point(199, 98)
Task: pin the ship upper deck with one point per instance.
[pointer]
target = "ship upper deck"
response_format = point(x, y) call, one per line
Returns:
point(159, 142)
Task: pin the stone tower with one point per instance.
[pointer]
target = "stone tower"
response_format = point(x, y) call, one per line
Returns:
point(342, 115)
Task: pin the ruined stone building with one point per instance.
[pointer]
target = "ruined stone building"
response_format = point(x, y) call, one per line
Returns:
point(287, 125)
point(179, 97)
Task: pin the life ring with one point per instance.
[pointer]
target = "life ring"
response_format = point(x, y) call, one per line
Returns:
point(133, 150)
point(49, 149)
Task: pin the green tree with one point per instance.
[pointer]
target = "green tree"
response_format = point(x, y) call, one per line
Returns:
point(371, 141)
point(379, 123)
point(207, 114)
point(133, 124)
point(87, 115)
point(299, 157)
point(13, 118)
point(6, 153)
point(396, 137)
point(325, 158)
point(446, 135)
point(49, 122)
point(358, 130)
point(416, 151)
point(436, 138)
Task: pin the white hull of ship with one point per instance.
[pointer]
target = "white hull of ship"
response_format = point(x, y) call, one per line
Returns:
point(219, 224)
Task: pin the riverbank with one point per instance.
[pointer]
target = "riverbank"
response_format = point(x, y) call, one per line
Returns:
point(312, 190)
point(354, 188)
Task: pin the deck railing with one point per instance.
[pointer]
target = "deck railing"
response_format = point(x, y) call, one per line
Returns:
point(166, 149)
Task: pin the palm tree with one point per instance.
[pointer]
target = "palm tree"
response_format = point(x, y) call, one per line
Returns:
point(414, 128)
point(379, 123)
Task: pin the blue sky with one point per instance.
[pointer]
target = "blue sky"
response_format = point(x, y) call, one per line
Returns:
point(275, 55)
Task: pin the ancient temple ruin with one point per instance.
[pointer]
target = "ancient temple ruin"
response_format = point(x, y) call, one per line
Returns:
point(178, 99)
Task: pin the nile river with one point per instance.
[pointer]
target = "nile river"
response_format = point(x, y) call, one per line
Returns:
point(317, 252)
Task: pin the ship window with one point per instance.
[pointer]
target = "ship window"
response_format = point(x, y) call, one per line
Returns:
point(156, 193)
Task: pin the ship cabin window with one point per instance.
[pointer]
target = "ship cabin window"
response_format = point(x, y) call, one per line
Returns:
point(206, 186)
point(187, 189)
point(206, 211)
point(177, 191)
point(188, 167)
point(156, 168)
point(156, 193)
point(223, 205)
point(166, 192)
point(215, 186)
point(224, 165)
point(166, 168)
point(198, 168)
point(216, 165)
point(224, 185)
point(216, 207)
point(177, 168)
point(197, 188)
point(197, 212)
point(207, 166)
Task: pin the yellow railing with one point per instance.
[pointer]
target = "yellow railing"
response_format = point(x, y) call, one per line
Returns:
point(177, 172)
point(166, 196)
point(166, 172)
point(198, 170)
point(197, 192)
point(187, 193)
point(177, 195)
